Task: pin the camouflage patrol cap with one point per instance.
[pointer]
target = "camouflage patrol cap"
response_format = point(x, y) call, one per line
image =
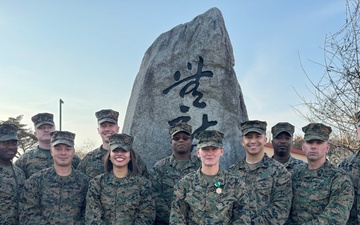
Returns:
point(358, 116)
point(210, 138)
point(43, 118)
point(180, 127)
point(62, 137)
point(107, 115)
point(122, 141)
point(253, 126)
point(316, 131)
point(8, 132)
point(282, 127)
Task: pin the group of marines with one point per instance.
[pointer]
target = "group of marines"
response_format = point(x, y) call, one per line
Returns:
point(52, 185)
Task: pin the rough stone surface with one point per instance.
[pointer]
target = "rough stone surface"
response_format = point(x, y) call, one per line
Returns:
point(187, 75)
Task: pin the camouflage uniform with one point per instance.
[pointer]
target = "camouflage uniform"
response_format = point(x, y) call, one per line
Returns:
point(284, 127)
point(12, 181)
point(269, 184)
point(294, 164)
point(54, 199)
point(120, 200)
point(93, 163)
point(34, 160)
point(322, 196)
point(166, 173)
point(11, 187)
point(197, 202)
point(37, 159)
point(112, 200)
point(351, 165)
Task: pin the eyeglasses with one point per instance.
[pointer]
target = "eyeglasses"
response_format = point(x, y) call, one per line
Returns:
point(177, 138)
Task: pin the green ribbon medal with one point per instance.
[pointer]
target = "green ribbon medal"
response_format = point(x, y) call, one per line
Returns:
point(218, 189)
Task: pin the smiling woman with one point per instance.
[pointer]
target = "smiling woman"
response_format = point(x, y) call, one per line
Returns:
point(120, 195)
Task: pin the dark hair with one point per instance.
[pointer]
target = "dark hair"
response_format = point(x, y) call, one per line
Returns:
point(132, 165)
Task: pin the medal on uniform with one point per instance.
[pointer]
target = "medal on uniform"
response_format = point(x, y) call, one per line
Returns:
point(218, 189)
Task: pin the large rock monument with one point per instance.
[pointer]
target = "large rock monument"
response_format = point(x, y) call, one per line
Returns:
point(187, 75)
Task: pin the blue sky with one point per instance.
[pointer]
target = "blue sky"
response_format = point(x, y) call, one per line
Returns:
point(88, 53)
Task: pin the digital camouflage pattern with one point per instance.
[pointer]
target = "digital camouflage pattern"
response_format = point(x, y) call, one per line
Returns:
point(197, 202)
point(112, 200)
point(253, 126)
point(351, 165)
point(209, 138)
point(121, 141)
point(107, 115)
point(11, 188)
point(43, 118)
point(54, 199)
point(269, 184)
point(34, 160)
point(8, 132)
point(322, 196)
point(180, 127)
point(93, 163)
point(62, 137)
point(282, 127)
point(294, 164)
point(316, 131)
point(166, 173)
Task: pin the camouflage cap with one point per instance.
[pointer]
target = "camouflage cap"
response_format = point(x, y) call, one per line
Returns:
point(180, 127)
point(253, 126)
point(43, 118)
point(316, 131)
point(282, 127)
point(358, 116)
point(122, 141)
point(62, 137)
point(8, 132)
point(210, 138)
point(107, 115)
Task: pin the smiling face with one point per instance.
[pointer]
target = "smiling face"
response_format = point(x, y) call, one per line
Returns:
point(120, 158)
point(254, 143)
point(106, 130)
point(62, 155)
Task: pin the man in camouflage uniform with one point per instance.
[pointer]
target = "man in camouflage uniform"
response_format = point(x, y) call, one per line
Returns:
point(93, 162)
point(351, 165)
point(11, 177)
point(210, 195)
point(56, 195)
point(168, 171)
point(282, 143)
point(323, 193)
point(40, 158)
point(268, 182)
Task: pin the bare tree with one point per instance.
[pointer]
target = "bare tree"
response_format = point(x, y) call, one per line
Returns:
point(86, 147)
point(337, 94)
point(27, 139)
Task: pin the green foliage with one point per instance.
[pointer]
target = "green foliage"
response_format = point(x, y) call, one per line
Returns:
point(27, 139)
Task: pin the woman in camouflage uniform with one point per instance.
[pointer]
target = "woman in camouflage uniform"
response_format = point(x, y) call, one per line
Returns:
point(120, 196)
